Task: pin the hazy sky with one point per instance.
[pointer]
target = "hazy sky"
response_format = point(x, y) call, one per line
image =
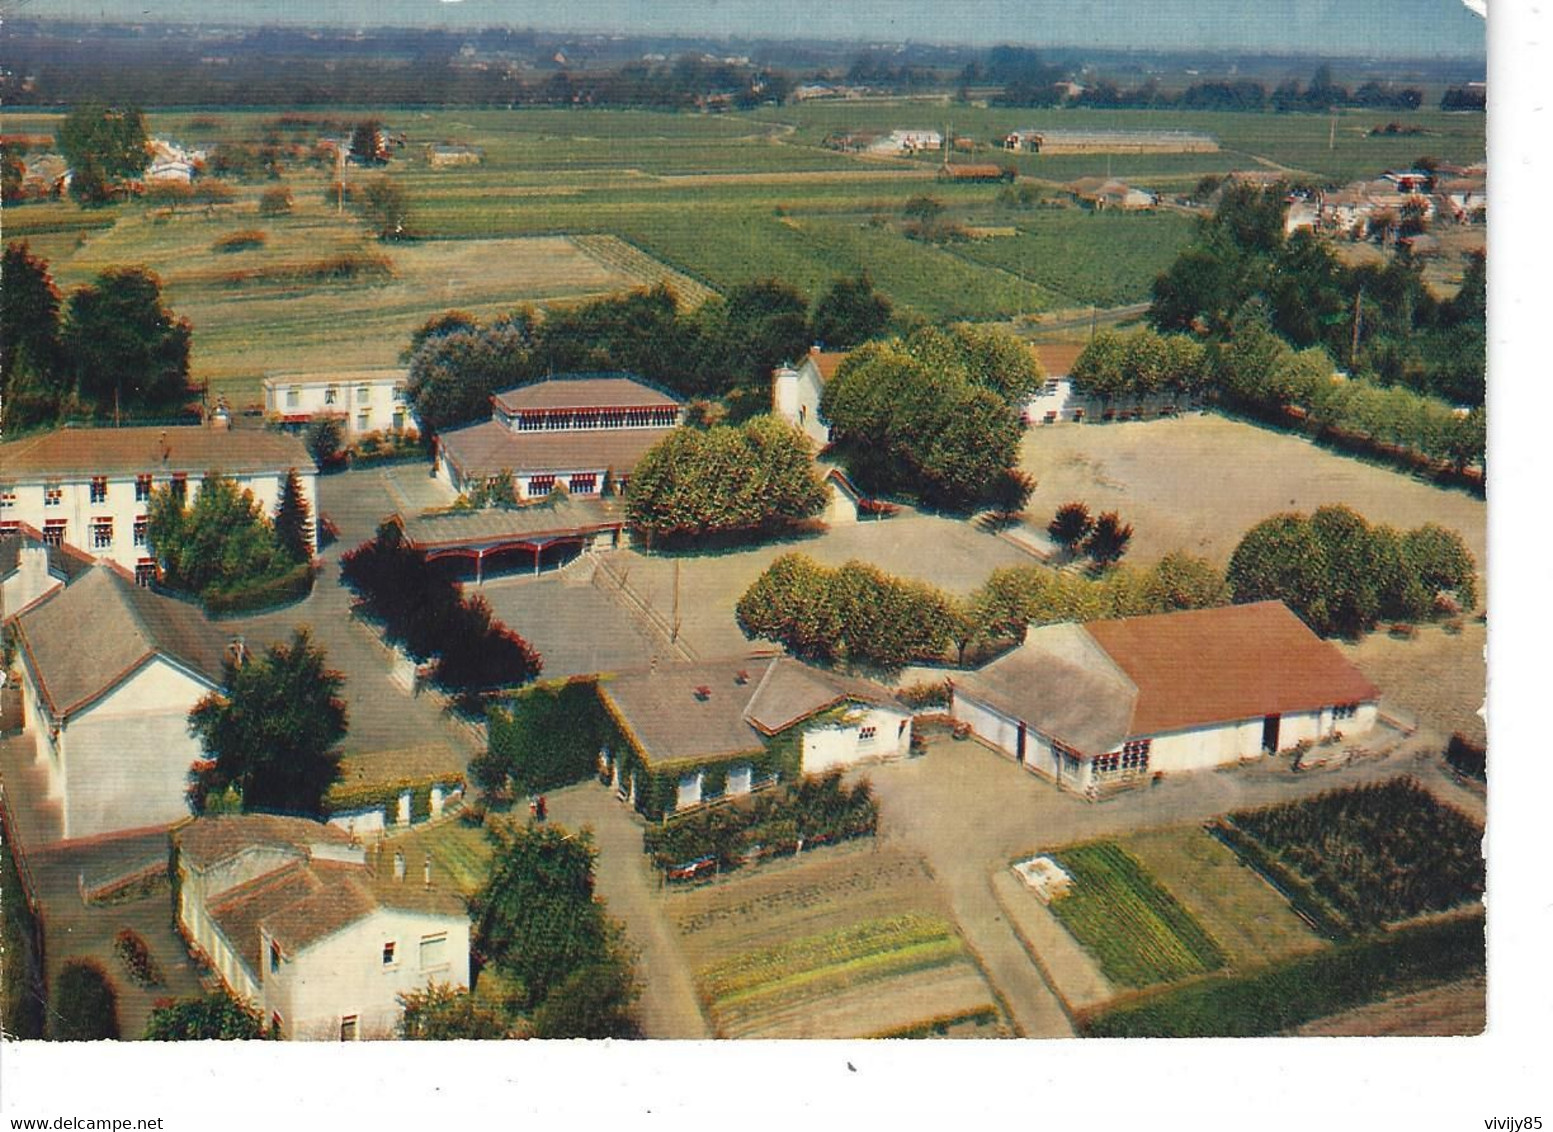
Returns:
point(1349, 27)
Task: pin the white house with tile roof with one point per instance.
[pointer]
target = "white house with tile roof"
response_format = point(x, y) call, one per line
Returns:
point(362, 401)
point(109, 672)
point(796, 390)
point(318, 935)
point(91, 487)
point(1110, 702)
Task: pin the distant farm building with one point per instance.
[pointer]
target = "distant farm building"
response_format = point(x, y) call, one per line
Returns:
point(909, 141)
point(981, 173)
point(449, 156)
point(1109, 141)
point(1100, 193)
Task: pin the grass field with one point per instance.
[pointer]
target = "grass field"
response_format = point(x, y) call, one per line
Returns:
point(846, 943)
point(1251, 922)
point(1137, 930)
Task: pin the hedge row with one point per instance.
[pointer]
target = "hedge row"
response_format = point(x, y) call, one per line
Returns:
point(777, 823)
point(1281, 997)
point(281, 589)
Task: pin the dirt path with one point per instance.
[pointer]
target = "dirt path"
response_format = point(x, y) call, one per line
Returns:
point(668, 1007)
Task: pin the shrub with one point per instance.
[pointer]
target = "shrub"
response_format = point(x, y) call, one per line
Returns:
point(542, 738)
point(210, 1017)
point(925, 694)
point(136, 956)
point(264, 593)
point(84, 1005)
point(1468, 758)
point(243, 240)
point(276, 201)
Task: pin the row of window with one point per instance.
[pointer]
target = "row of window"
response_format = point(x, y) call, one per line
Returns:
point(583, 483)
point(540, 420)
point(1134, 756)
point(102, 531)
point(54, 491)
point(332, 396)
point(1345, 711)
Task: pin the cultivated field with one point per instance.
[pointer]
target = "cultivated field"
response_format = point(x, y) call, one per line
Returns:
point(849, 942)
point(1249, 920)
point(1133, 925)
point(1452, 1010)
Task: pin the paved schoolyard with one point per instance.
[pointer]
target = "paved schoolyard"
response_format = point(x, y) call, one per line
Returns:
point(953, 554)
point(578, 629)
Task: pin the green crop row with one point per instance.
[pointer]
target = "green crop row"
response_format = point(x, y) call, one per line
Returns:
point(741, 973)
point(1136, 929)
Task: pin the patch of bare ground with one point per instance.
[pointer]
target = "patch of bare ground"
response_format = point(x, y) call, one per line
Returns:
point(1436, 676)
point(1453, 1010)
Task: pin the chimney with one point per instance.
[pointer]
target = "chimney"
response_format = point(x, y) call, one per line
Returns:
point(32, 574)
point(164, 447)
point(428, 872)
point(398, 864)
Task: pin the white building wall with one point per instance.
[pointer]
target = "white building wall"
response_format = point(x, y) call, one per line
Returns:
point(362, 403)
point(843, 744)
point(795, 397)
point(120, 506)
point(345, 975)
point(1204, 747)
point(127, 758)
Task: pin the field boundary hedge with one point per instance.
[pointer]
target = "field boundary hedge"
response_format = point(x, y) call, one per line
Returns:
point(1280, 997)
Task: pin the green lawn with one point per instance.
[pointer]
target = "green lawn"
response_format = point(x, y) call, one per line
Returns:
point(1138, 931)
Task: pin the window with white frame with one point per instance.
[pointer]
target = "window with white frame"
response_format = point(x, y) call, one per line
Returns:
point(434, 951)
point(54, 532)
point(541, 485)
point(363, 394)
point(388, 953)
point(348, 1028)
point(53, 494)
point(142, 488)
point(331, 395)
point(142, 526)
point(867, 733)
point(145, 572)
point(363, 421)
point(585, 483)
point(293, 398)
point(99, 489)
point(102, 533)
point(7, 495)
point(1345, 711)
point(179, 486)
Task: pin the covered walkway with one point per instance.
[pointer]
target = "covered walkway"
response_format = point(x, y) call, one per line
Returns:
point(502, 541)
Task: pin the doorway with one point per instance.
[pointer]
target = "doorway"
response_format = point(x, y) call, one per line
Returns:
point(1019, 749)
point(1270, 733)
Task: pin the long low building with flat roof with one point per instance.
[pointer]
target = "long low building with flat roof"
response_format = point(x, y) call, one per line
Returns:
point(91, 487)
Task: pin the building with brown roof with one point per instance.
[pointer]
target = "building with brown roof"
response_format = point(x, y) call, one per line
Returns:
point(692, 733)
point(109, 673)
point(314, 932)
point(578, 430)
point(1110, 702)
point(30, 568)
point(796, 391)
point(91, 487)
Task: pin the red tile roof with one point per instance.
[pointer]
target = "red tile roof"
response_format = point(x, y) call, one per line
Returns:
point(490, 448)
point(827, 362)
point(612, 392)
point(190, 449)
point(1216, 665)
point(1056, 358)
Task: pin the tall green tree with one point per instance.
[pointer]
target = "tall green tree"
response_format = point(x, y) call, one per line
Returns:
point(1107, 540)
point(850, 313)
point(536, 918)
point(29, 338)
point(596, 1001)
point(453, 373)
point(104, 147)
point(222, 540)
point(752, 479)
point(386, 208)
point(294, 520)
point(125, 350)
point(271, 734)
point(1070, 526)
